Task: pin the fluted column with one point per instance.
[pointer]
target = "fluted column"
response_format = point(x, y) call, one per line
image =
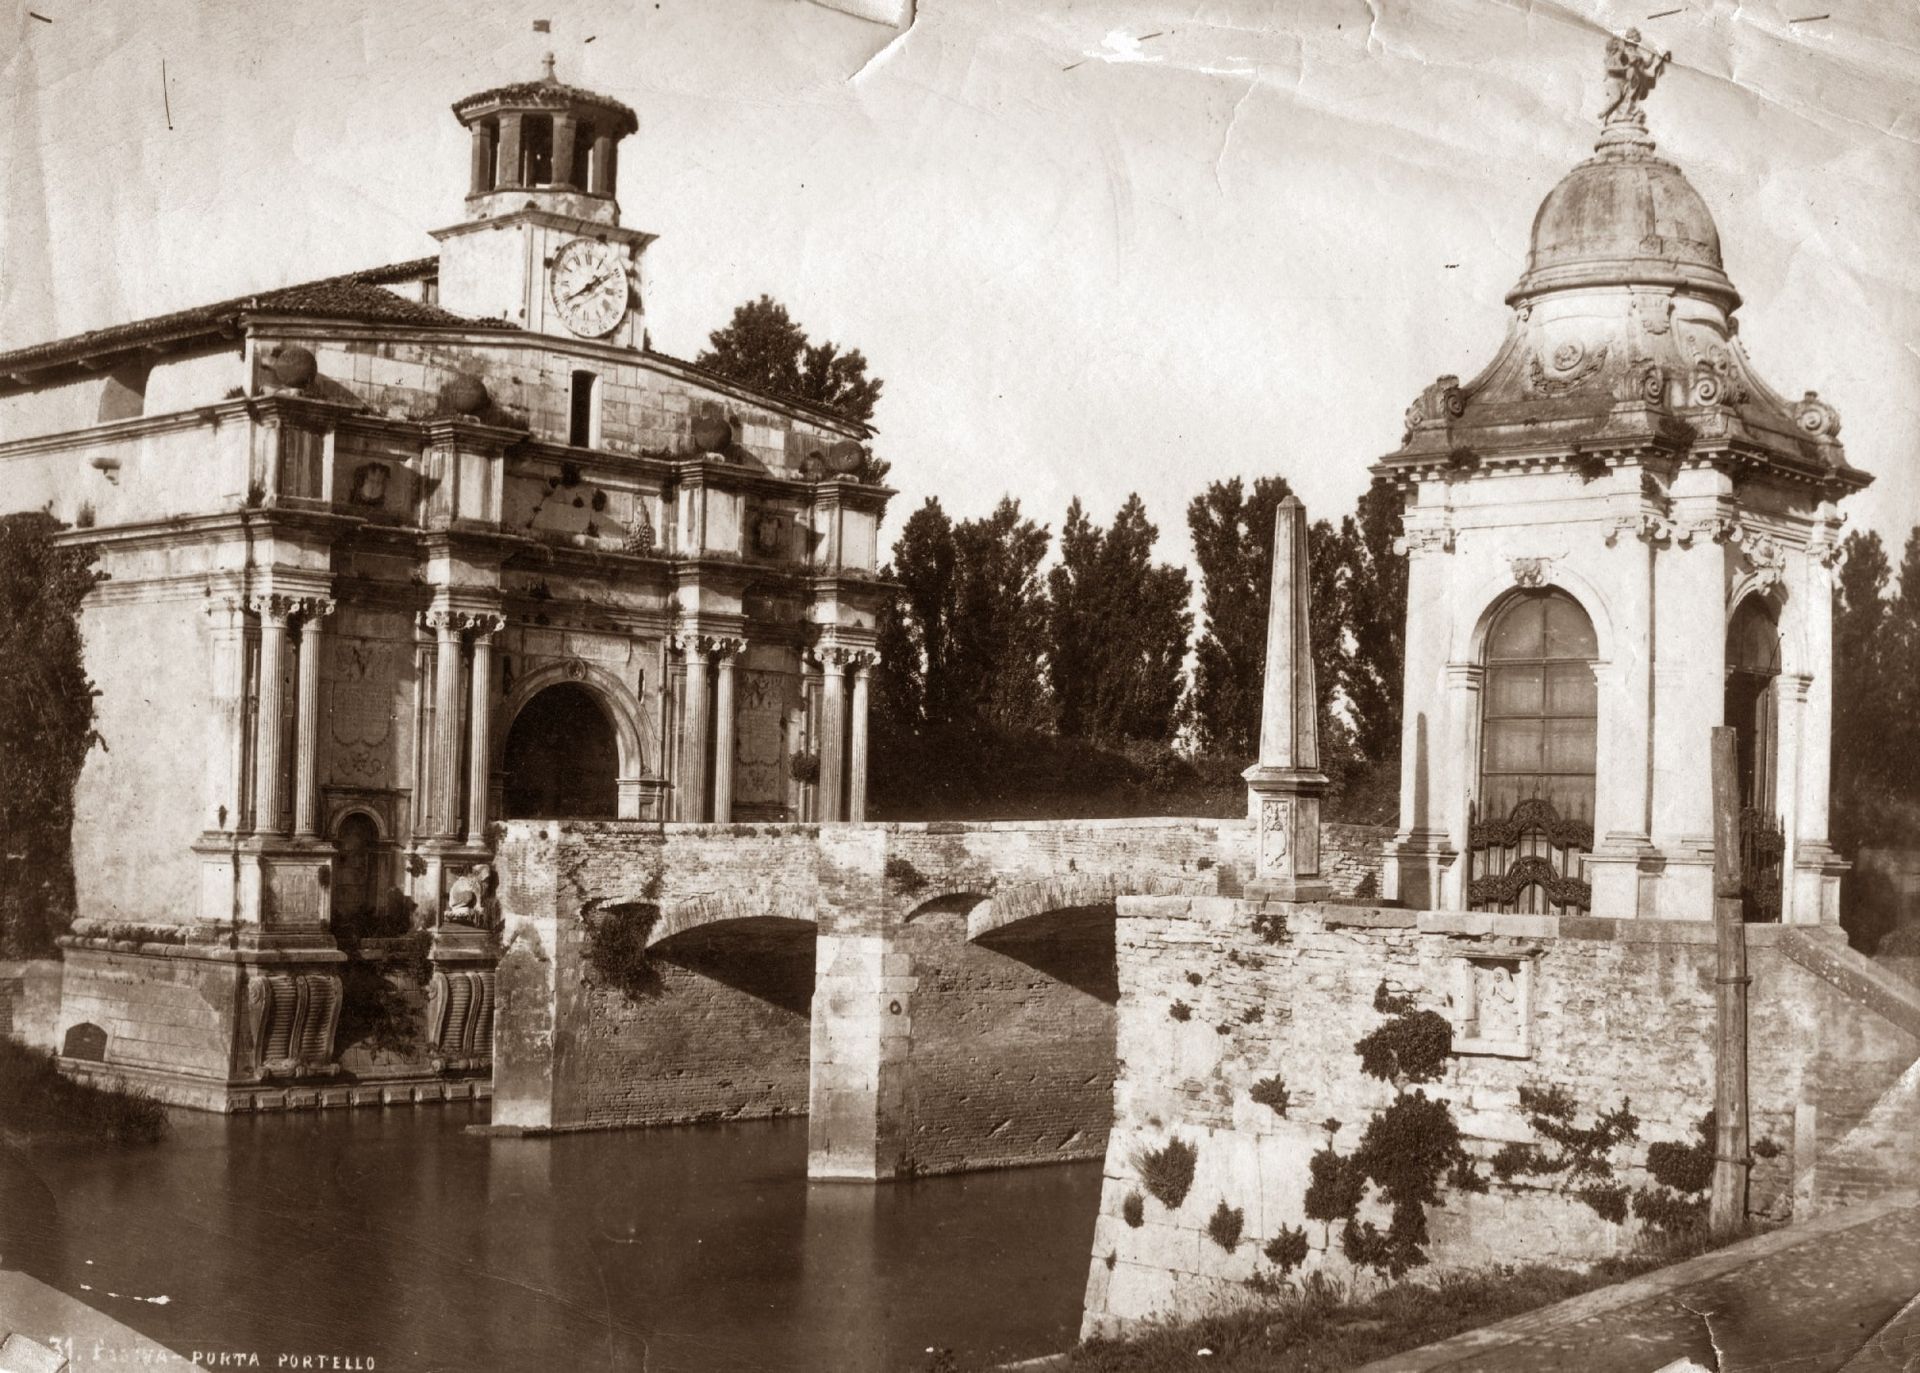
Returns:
point(227, 721)
point(725, 651)
point(480, 726)
point(857, 764)
point(1791, 691)
point(446, 721)
point(267, 745)
point(306, 772)
point(693, 757)
point(833, 734)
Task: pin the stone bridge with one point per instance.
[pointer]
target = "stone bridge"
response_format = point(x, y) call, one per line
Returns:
point(936, 997)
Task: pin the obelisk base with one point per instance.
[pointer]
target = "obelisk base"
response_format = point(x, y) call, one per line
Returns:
point(1284, 805)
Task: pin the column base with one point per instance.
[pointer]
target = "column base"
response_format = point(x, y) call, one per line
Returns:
point(1284, 805)
point(1817, 872)
point(1621, 872)
point(1420, 866)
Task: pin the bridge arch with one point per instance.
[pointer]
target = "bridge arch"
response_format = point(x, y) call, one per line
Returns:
point(570, 715)
point(1013, 906)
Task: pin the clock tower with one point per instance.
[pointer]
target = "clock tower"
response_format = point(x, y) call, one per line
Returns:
point(542, 246)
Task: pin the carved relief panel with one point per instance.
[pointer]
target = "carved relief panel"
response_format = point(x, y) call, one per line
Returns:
point(1492, 1005)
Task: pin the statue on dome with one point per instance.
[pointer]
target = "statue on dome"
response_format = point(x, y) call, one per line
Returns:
point(1632, 68)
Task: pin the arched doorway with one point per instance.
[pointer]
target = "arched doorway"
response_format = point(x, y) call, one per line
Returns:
point(1753, 661)
point(1532, 816)
point(358, 875)
point(562, 760)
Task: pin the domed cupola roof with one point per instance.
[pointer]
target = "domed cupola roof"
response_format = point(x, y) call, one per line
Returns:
point(1625, 217)
point(1623, 334)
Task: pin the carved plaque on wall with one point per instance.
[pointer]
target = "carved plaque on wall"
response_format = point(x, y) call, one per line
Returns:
point(360, 709)
point(758, 739)
point(1276, 838)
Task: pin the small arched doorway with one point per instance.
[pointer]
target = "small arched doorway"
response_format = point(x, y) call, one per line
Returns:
point(1531, 821)
point(562, 759)
point(358, 875)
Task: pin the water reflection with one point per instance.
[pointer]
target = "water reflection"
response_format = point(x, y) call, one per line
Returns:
point(393, 1235)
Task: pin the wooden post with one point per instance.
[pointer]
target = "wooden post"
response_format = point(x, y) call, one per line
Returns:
point(1731, 1161)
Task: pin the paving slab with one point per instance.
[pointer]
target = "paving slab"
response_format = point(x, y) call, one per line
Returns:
point(1836, 1295)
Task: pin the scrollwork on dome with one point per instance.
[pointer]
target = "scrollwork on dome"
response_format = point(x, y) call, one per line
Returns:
point(1816, 418)
point(1572, 366)
point(1439, 405)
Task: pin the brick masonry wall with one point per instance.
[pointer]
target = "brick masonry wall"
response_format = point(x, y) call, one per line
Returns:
point(1619, 1010)
point(1353, 859)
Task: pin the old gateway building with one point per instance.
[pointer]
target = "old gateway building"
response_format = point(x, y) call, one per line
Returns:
point(1619, 537)
point(397, 554)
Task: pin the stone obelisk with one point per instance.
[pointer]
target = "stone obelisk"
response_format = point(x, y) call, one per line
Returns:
point(1284, 786)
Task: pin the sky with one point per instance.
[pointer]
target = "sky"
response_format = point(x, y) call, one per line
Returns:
point(1092, 248)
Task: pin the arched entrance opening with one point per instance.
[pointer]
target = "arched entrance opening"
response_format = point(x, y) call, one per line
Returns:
point(562, 759)
point(1753, 661)
point(357, 874)
point(1531, 822)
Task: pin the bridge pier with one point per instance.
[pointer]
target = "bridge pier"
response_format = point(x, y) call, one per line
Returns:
point(862, 1040)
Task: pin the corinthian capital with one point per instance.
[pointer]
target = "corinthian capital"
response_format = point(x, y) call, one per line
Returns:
point(279, 607)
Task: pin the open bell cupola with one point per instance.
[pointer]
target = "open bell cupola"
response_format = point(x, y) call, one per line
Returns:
point(542, 245)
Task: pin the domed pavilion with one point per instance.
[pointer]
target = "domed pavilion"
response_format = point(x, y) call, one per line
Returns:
point(1619, 536)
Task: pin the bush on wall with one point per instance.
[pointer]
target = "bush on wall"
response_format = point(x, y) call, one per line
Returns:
point(46, 728)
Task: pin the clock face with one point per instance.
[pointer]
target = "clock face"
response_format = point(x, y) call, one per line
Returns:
point(589, 284)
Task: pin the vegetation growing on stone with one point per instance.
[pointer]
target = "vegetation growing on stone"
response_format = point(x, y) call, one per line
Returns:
point(616, 953)
point(1272, 1092)
point(1584, 1154)
point(1409, 1150)
point(903, 876)
point(46, 728)
point(1288, 1249)
point(1133, 1210)
point(380, 1007)
point(1271, 925)
point(36, 1102)
point(1682, 1174)
point(1180, 1010)
point(1167, 1172)
point(1225, 1225)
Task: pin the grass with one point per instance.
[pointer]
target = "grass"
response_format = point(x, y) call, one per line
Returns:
point(37, 1104)
point(1319, 1326)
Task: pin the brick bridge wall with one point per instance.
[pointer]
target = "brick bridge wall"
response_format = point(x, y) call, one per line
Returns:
point(1608, 1009)
point(937, 996)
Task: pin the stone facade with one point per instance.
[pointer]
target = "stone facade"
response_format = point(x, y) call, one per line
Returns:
point(395, 555)
point(1605, 1009)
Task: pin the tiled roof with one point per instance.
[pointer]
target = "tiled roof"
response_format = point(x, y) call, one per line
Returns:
point(360, 297)
point(546, 95)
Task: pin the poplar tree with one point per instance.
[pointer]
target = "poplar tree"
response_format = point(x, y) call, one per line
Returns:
point(1118, 626)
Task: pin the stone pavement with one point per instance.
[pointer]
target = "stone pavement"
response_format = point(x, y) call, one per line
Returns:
point(1840, 1294)
point(46, 1331)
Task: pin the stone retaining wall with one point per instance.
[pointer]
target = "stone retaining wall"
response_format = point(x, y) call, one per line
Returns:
point(1607, 1010)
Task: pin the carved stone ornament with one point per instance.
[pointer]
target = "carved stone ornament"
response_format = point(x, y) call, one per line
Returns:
point(1632, 68)
point(1438, 405)
point(1276, 838)
point(284, 608)
point(467, 897)
point(1654, 310)
point(1816, 418)
point(1570, 368)
point(1532, 571)
point(1646, 526)
point(1432, 539)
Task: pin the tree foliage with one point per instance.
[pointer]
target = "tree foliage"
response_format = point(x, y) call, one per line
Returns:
point(763, 347)
point(963, 641)
point(1232, 531)
point(1118, 626)
point(46, 728)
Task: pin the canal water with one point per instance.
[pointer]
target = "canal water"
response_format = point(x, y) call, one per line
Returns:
point(394, 1238)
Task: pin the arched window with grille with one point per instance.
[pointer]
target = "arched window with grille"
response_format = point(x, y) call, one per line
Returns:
point(1532, 813)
